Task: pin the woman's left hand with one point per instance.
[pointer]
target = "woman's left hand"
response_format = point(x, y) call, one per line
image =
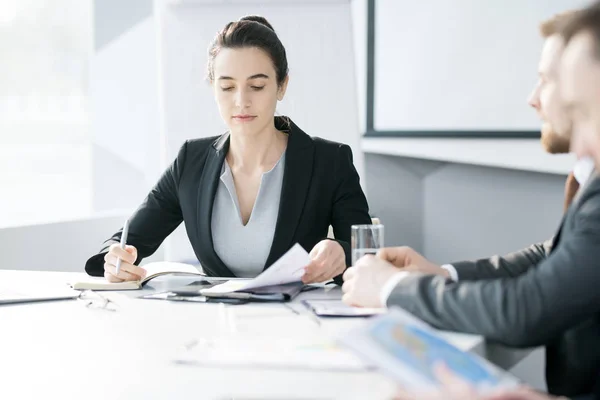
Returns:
point(328, 260)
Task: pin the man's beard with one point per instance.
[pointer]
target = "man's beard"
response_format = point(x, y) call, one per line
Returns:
point(553, 142)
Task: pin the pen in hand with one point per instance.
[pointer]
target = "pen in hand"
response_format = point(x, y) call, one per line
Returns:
point(123, 243)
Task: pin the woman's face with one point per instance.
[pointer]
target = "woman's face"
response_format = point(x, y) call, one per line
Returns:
point(246, 90)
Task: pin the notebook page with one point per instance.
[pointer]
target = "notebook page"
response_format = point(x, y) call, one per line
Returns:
point(164, 267)
point(153, 269)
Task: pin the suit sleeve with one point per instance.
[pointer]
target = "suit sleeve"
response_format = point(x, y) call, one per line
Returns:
point(349, 204)
point(511, 265)
point(528, 310)
point(154, 220)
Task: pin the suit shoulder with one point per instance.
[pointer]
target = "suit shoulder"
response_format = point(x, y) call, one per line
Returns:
point(201, 144)
point(329, 146)
point(191, 149)
point(589, 203)
point(335, 155)
point(591, 191)
point(192, 152)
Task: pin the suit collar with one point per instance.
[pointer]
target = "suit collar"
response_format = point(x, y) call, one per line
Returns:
point(592, 183)
point(298, 140)
point(282, 123)
point(221, 143)
point(296, 184)
point(207, 190)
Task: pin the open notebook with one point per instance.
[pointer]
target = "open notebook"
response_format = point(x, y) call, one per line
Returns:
point(154, 269)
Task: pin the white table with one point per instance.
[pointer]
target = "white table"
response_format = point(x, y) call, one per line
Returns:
point(66, 350)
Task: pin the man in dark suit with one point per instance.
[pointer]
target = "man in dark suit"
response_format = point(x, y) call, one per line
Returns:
point(554, 303)
point(580, 85)
point(547, 294)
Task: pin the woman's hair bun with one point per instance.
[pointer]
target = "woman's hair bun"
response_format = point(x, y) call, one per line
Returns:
point(259, 19)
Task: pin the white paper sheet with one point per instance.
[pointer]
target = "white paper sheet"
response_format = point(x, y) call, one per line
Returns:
point(289, 268)
point(339, 308)
point(260, 352)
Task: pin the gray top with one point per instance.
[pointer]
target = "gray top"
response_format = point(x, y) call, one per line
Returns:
point(244, 249)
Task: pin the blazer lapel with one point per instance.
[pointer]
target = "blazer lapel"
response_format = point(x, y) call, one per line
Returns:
point(573, 207)
point(296, 182)
point(556, 238)
point(207, 189)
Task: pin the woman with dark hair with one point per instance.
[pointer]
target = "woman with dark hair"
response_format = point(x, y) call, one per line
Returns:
point(249, 195)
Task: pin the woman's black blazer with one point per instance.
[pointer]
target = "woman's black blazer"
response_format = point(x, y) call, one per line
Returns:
point(320, 188)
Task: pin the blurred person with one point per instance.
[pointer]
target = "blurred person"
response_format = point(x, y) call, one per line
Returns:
point(545, 295)
point(580, 81)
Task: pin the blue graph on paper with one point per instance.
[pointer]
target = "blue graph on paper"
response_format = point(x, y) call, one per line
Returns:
point(420, 350)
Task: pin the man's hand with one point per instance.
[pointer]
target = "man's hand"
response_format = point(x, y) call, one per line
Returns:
point(453, 387)
point(364, 281)
point(409, 260)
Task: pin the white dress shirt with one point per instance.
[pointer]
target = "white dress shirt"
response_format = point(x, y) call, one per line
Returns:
point(582, 170)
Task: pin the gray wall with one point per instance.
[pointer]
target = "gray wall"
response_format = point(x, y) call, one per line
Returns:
point(113, 17)
point(452, 212)
point(59, 246)
point(124, 97)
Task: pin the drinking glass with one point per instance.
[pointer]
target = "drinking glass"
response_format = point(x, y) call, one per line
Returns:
point(366, 239)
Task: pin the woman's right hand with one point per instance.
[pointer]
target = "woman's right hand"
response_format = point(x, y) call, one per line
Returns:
point(128, 271)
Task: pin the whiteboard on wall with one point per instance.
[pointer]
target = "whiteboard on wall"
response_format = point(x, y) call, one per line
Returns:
point(458, 65)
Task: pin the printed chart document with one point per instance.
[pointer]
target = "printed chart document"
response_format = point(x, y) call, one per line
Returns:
point(407, 349)
point(283, 278)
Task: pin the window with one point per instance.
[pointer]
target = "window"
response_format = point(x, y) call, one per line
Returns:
point(45, 152)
